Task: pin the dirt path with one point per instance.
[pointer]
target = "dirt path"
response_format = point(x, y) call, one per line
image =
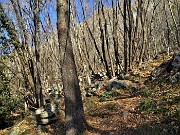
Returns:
point(115, 117)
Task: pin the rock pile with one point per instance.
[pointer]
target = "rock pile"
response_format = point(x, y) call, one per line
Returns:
point(48, 113)
point(168, 71)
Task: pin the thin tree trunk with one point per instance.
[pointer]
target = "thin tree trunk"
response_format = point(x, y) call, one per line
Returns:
point(130, 33)
point(134, 41)
point(37, 52)
point(90, 32)
point(115, 38)
point(106, 33)
point(103, 42)
point(125, 38)
point(175, 23)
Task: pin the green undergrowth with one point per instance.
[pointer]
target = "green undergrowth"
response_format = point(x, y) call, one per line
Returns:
point(115, 94)
point(162, 106)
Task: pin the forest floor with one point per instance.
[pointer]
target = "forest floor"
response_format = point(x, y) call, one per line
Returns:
point(151, 109)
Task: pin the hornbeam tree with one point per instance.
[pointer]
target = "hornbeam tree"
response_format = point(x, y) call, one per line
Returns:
point(74, 113)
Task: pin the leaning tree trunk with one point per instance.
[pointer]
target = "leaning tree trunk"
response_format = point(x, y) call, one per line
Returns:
point(74, 113)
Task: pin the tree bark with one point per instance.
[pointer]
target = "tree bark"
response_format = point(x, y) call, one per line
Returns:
point(74, 113)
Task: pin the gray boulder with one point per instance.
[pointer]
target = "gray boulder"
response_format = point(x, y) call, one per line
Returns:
point(176, 60)
point(116, 84)
point(167, 68)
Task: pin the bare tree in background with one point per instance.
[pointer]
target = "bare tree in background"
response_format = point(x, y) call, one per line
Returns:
point(125, 37)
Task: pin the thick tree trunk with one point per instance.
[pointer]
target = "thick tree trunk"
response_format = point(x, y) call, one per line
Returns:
point(74, 113)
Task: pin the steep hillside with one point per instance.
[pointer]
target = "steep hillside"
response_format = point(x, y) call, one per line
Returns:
point(144, 108)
